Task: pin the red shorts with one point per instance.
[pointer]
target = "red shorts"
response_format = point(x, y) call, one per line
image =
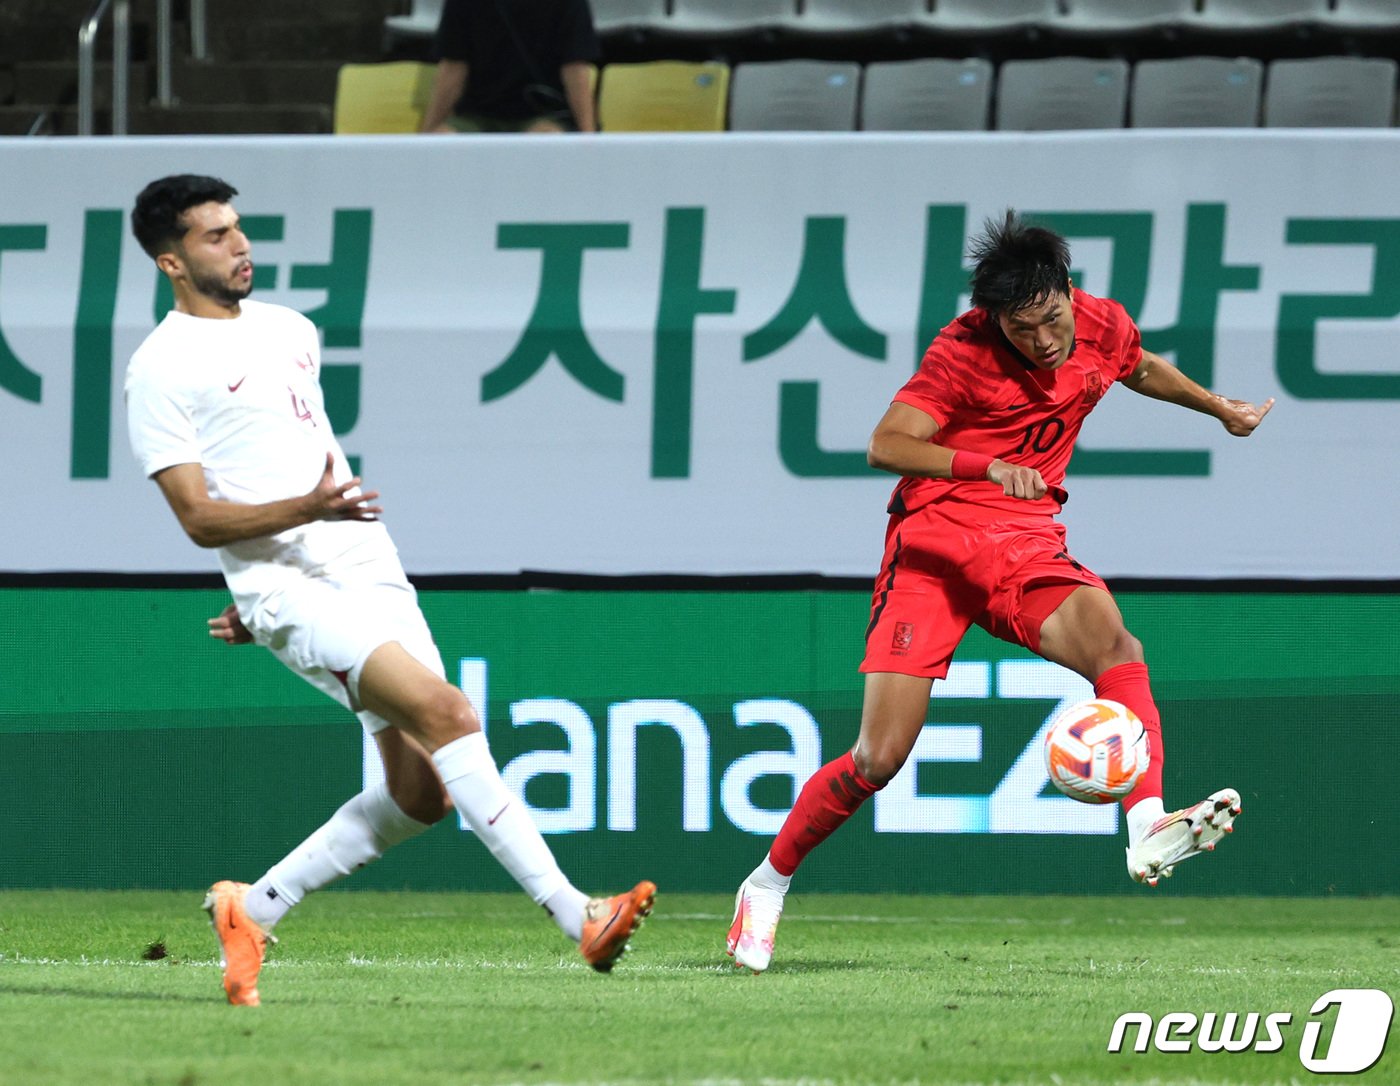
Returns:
point(949, 565)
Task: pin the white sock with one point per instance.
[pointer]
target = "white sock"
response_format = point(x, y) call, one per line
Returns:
point(504, 826)
point(1140, 818)
point(767, 877)
point(566, 907)
point(357, 834)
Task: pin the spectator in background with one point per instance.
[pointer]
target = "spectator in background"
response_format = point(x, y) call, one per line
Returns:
point(514, 66)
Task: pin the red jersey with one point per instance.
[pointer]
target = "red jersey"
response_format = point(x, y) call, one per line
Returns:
point(987, 398)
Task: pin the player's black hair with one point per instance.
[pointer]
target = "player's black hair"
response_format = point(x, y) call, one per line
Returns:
point(1016, 265)
point(157, 218)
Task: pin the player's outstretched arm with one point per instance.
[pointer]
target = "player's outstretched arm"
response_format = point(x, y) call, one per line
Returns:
point(1158, 378)
point(213, 523)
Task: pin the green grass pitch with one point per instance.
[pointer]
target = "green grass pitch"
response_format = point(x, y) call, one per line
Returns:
point(387, 989)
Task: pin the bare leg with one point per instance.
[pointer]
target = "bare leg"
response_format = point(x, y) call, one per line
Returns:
point(437, 717)
point(1086, 634)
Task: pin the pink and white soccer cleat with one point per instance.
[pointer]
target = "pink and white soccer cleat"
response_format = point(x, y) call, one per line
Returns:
point(1181, 835)
point(756, 914)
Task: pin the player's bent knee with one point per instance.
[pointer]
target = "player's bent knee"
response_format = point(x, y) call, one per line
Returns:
point(1124, 649)
point(878, 767)
point(445, 715)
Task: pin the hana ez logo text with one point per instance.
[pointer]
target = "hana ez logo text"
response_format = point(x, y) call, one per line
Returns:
point(1358, 1036)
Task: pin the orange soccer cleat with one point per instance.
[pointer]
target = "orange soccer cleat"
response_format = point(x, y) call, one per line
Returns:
point(608, 922)
point(242, 943)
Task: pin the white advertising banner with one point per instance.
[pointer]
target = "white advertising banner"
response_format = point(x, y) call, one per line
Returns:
point(664, 354)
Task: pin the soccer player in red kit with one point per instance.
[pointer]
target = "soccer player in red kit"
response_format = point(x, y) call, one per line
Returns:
point(981, 436)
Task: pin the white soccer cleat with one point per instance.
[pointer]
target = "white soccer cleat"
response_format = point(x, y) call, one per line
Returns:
point(756, 914)
point(1181, 835)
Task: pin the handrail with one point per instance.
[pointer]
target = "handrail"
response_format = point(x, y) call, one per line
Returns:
point(121, 58)
point(165, 93)
point(199, 31)
point(121, 64)
point(199, 46)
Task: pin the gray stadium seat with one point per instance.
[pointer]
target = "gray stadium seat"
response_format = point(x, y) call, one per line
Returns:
point(1061, 93)
point(1242, 16)
point(926, 95)
point(628, 16)
point(729, 18)
point(1330, 92)
point(794, 95)
point(990, 16)
point(848, 17)
point(420, 24)
point(1102, 18)
point(1365, 15)
point(1197, 92)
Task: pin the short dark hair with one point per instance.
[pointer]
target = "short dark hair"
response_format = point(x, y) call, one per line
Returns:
point(1016, 265)
point(156, 220)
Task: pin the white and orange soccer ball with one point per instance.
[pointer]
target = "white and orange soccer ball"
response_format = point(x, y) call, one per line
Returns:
point(1096, 751)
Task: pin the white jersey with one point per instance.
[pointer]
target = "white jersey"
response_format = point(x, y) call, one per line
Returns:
point(242, 398)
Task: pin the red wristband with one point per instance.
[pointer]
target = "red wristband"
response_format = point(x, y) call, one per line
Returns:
point(970, 467)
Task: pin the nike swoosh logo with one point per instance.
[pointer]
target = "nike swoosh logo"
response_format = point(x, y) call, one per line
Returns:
point(606, 927)
point(235, 388)
point(492, 820)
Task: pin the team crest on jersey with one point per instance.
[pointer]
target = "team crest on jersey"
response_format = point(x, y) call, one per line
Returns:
point(1093, 386)
point(903, 638)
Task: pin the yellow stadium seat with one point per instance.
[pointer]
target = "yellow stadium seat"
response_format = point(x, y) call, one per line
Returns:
point(664, 96)
point(382, 98)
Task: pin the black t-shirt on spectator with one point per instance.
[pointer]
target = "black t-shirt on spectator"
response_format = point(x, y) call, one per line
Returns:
point(553, 32)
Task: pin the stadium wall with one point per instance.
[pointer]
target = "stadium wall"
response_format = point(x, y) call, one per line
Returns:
point(661, 733)
point(662, 355)
point(548, 354)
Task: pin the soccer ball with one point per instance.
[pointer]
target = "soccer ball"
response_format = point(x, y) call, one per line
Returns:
point(1096, 751)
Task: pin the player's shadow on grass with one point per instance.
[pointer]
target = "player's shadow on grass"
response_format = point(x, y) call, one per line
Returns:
point(811, 965)
point(97, 993)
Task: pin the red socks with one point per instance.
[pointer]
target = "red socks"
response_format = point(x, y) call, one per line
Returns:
point(1128, 683)
point(829, 798)
point(837, 790)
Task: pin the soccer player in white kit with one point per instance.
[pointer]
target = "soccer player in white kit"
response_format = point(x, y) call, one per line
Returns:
point(225, 413)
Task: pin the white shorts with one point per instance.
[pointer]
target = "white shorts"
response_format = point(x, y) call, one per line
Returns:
point(325, 630)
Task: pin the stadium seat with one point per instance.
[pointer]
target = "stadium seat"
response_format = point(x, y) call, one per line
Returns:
point(1247, 16)
point(420, 24)
point(1365, 15)
point(1330, 92)
point(1196, 92)
point(628, 16)
point(382, 98)
point(1061, 93)
point(794, 95)
point(990, 16)
point(663, 96)
point(848, 18)
point(927, 95)
point(729, 18)
point(1107, 18)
